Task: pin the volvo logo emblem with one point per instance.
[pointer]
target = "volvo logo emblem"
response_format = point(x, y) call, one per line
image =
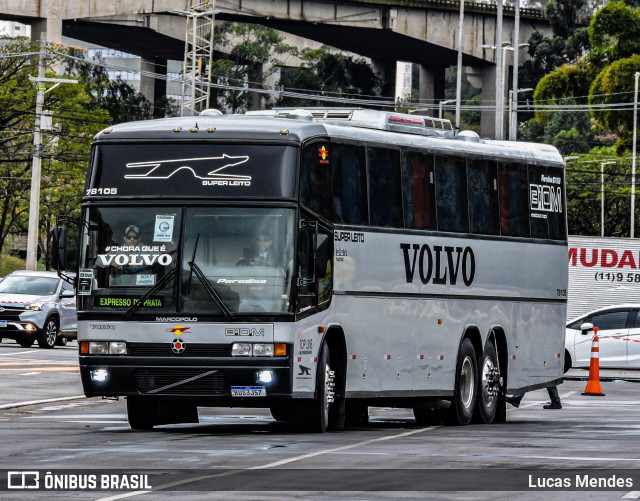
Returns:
point(1, 308)
point(178, 346)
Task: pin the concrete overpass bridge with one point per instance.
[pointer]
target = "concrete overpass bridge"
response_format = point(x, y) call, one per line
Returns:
point(418, 31)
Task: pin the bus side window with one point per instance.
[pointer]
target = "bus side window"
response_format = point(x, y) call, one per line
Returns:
point(483, 197)
point(315, 178)
point(451, 194)
point(558, 216)
point(349, 185)
point(514, 200)
point(418, 182)
point(385, 194)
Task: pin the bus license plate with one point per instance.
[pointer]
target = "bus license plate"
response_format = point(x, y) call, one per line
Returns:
point(3, 323)
point(248, 391)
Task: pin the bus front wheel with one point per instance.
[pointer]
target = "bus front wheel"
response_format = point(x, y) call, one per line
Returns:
point(315, 413)
point(466, 388)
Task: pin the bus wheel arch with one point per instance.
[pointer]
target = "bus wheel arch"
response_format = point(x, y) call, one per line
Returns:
point(327, 409)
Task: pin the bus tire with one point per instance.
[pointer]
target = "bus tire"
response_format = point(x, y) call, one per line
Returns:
point(315, 417)
point(140, 413)
point(489, 385)
point(466, 386)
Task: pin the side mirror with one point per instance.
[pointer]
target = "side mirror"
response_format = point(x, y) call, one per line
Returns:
point(586, 327)
point(321, 244)
point(67, 293)
point(59, 248)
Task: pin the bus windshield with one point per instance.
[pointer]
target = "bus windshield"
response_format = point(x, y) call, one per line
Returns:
point(187, 260)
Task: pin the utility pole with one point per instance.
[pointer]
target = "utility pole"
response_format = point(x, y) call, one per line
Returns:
point(36, 167)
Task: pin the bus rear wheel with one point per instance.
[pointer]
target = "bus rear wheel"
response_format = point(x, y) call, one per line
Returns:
point(466, 388)
point(489, 381)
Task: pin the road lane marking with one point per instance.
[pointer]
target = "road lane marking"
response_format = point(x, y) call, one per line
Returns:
point(269, 465)
point(632, 495)
point(37, 362)
point(19, 353)
point(36, 402)
point(28, 374)
point(72, 368)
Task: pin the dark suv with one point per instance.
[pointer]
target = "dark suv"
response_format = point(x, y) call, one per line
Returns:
point(37, 306)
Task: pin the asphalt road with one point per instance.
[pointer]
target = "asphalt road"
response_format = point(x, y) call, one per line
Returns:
point(47, 425)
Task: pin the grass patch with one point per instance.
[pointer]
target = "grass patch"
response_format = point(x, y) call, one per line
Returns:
point(9, 264)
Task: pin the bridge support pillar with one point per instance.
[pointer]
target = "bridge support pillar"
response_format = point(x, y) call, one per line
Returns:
point(52, 26)
point(431, 87)
point(488, 116)
point(153, 88)
point(385, 70)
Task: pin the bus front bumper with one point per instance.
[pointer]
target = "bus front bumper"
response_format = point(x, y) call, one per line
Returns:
point(191, 379)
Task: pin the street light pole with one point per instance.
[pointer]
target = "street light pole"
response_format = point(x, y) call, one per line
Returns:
point(513, 98)
point(633, 157)
point(499, 70)
point(602, 196)
point(448, 101)
point(459, 72)
point(513, 111)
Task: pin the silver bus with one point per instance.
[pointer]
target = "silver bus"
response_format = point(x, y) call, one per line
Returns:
point(317, 262)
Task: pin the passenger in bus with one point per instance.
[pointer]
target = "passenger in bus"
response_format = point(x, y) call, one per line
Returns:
point(124, 274)
point(260, 253)
point(553, 395)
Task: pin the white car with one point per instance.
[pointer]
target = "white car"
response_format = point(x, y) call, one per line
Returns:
point(618, 337)
point(37, 306)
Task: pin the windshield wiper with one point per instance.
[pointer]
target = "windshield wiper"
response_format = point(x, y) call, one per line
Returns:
point(195, 269)
point(146, 295)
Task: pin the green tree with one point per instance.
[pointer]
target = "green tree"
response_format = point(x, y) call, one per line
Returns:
point(122, 101)
point(253, 53)
point(329, 73)
point(65, 149)
point(614, 85)
point(613, 33)
point(570, 40)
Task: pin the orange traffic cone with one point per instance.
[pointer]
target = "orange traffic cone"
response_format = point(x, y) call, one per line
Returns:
point(593, 384)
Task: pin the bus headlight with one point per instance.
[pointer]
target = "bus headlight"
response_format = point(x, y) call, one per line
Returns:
point(106, 348)
point(263, 350)
point(241, 350)
point(117, 348)
point(98, 348)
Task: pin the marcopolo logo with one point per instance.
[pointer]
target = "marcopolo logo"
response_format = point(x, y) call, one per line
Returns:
point(441, 265)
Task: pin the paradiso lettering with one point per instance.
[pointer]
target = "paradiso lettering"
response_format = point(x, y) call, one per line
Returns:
point(442, 265)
